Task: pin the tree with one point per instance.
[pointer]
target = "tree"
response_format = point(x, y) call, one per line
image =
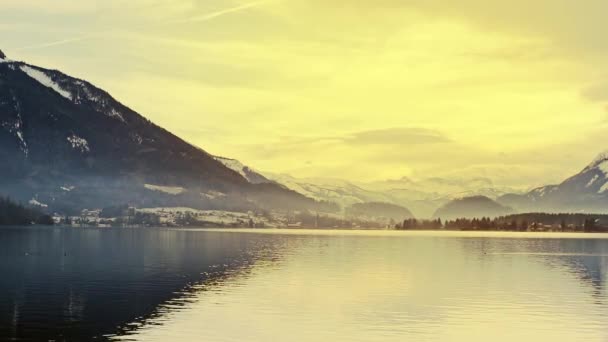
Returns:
point(12, 213)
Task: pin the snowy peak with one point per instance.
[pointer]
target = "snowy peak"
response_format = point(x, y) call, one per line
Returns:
point(600, 162)
point(76, 91)
point(586, 191)
point(232, 164)
point(248, 173)
point(44, 79)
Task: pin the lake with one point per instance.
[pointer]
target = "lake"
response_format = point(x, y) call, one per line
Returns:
point(78, 284)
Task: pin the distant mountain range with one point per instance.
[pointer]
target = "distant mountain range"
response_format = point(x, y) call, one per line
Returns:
point(585, 192)
point(67, 145)
point(422, 197)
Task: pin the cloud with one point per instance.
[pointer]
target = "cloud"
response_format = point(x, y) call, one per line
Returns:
point(56, 6)
point(213, 15)
point(571, 26)
point(54, 43)
point(596, 92)
point(397, 136)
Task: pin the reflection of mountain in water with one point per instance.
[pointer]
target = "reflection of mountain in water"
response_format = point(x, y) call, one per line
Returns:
point(75, 284)
point(590, 265)
point(586, 259)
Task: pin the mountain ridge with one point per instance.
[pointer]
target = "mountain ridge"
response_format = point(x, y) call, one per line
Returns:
point(471, 207)
point(585, 191)
point(59, 132)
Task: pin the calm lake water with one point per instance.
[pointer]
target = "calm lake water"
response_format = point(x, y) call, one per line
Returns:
point(283, 285)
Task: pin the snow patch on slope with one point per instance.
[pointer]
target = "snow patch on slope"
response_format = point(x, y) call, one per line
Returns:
point(35, 202)
point(45, 80)
point(87, 94)
point(600, 162)
point(603, 166)
point(251, 175)
point(79, 143)
point(172, 190)
point(15, 127)
point(234, 165)
point(602, 157)
point(114, 113)
point(213, 194)
point(592, 181)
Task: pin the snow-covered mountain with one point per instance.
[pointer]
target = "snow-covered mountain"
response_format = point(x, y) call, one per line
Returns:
point(248, 173)
point(339, 191)
point(422, 197)
point(67, 144)
point(587, 191)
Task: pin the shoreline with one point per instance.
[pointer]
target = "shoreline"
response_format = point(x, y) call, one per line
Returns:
point(351, 232)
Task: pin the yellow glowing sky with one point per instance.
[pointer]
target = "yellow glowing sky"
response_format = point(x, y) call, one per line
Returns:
point(363, 90)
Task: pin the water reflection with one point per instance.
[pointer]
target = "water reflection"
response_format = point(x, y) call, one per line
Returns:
point(165, 285)
point(395, 287)
point(76, 284)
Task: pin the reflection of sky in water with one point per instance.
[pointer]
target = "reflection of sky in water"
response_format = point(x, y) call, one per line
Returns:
point(385, 286)
point(221, 285)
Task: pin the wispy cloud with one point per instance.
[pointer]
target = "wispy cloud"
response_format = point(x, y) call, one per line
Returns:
point(397, 136)
point(54, 43)
point(198, 18)
point(219, 13)
point(597, 92)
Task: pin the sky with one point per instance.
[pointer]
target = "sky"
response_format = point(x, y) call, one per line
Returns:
point(514, 91)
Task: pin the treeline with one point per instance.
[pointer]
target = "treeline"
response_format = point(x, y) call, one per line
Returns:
point(419, 224)
point(12, 213)
point(517, 222)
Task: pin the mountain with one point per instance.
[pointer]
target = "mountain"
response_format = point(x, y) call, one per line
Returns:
point(422, 197)
point(471, 207)
point(245, 171)
point(443, 187)
point(339, 191)
point(67, 144)
point(379, 210)
point(587, 191)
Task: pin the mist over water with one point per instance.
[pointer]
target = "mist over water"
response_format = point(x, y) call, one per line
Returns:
point(248, 285)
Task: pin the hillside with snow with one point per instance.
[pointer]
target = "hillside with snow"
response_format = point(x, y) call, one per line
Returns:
point(587, 191)
point(58, 132)
point(248, 173)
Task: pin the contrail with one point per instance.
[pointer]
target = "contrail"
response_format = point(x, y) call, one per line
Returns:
point(200, 18)
point(213, 15)
point(54, 43)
